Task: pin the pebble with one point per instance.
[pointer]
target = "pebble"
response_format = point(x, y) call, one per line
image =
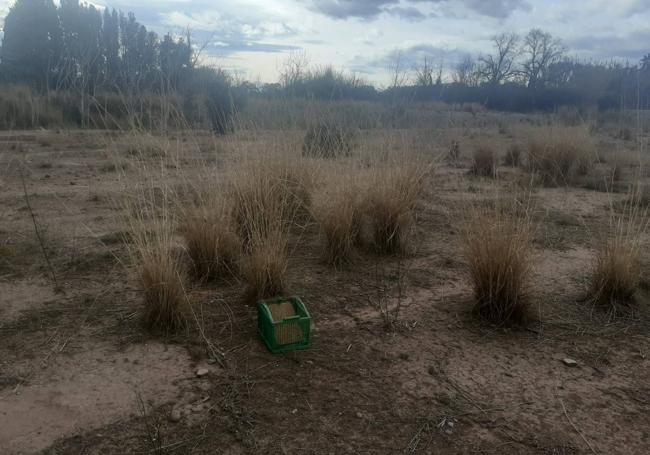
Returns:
point(202, 372)
point(570, 362)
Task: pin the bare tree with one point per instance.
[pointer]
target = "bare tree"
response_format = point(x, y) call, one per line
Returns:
point(397, 70)
point(440, 68)
point(294, 68)
point(500, 67)
point(466, 72)
point(424, 73)
point(541, 51)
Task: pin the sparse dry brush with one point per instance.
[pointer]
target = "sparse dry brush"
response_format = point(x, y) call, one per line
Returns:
point(147, 146)
point(454, 151)
point(497, 245)
point(616, 272)
point(513, 156)
point(559, 155)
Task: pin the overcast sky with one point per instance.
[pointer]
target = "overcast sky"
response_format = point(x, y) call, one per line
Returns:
point(255, 36)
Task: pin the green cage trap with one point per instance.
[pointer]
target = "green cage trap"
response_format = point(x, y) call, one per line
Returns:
point(284, 324)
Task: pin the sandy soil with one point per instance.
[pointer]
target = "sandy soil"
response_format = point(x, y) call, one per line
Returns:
point(78, 374)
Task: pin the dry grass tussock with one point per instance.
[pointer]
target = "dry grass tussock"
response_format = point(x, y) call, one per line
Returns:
point(617, 268)
point(265, 191)
point(394, 186)
point(268, 196)
point(484, 162)
point(207, 228)
point(560, 154)
point(155, 257)
point(497, 245)
point(328, 139)
point(338, 210)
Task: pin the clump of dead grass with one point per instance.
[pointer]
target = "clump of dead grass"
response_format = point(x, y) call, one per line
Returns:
point(559, 155)
point(394, 188)
point(328, 139)
point(338, 211)
point(265, 265)
point(211, 243)
point(497, 245)
point(156, 259)
point(268, 197)
point(616, 272)
point(484, 162)
point(206, 225)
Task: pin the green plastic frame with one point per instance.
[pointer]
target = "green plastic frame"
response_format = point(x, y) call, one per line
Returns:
point(267, 327)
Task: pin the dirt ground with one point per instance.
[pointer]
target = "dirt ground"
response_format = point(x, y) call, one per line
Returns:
point(79, 375)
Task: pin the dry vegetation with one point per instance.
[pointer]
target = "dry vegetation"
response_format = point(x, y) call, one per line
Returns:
point(442, 303)
point(560, 154)
point(617, 270)
point(395, 185)
point(497, 245)
point(339, 211)
point(155, 257)
point(484, 162)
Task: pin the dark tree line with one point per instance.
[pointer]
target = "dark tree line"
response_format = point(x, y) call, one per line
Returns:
point(76, 44)
point(533, 72)
point(77, 47)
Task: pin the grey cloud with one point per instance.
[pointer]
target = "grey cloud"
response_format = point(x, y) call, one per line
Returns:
point(407, 13)
point(251, 46)
point(637, 7)
point(497, 8)
point(229, 34)
point(492, 8)
point(632, 46)
point(343, 9)
point(370, 9)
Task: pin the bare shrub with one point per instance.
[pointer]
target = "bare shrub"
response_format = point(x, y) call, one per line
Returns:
point(454, 150)
point(616, 272)
point(390, 298)
point(558, 155)
point(484, 162)
point(497, 245)
point(624, 134)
